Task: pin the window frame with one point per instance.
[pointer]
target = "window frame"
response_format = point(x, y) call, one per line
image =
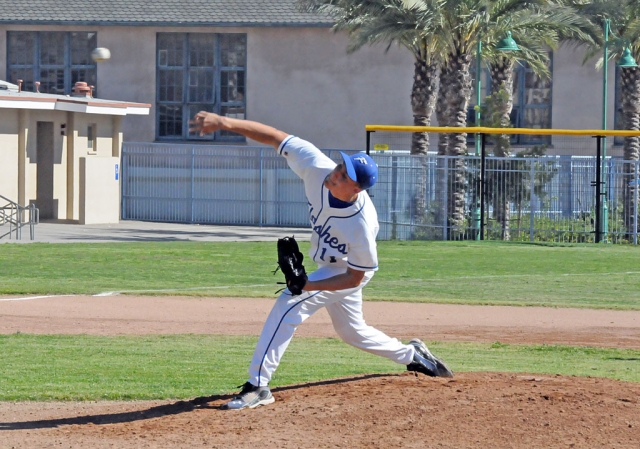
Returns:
point(37, 65)
point(518, 111)
point(617, 107)
point(92, 138)
point(185, 103)
point(522, 69)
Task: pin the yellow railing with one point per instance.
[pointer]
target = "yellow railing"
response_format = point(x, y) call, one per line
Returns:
point(484, 130)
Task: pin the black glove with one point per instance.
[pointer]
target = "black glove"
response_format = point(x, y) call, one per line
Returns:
point(290, 262)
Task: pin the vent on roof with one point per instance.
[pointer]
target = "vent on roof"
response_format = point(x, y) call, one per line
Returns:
point(81, 89)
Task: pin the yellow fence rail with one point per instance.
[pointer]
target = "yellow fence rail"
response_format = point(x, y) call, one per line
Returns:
point(484, 130)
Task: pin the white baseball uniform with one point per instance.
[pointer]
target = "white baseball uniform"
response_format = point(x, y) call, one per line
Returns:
point(343, 236)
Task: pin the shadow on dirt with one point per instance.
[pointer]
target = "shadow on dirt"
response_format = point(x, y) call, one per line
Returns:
point(163, 410)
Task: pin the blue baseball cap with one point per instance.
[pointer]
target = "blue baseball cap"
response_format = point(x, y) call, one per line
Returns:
point(361, 168)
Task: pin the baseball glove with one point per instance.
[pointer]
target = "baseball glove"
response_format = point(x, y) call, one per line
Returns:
point(290, 263)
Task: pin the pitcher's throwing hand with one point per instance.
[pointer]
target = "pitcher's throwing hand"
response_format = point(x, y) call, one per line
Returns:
point(205, 123)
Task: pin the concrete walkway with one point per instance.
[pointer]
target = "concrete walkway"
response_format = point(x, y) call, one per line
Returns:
point(142, 231)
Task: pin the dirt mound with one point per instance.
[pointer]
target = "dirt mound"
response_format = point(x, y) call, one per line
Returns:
point(473, 410)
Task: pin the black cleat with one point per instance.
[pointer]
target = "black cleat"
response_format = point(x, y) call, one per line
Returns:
point(426, 363)
point(250, 397)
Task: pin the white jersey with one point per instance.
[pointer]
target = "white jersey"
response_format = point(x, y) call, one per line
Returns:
point(341, 237)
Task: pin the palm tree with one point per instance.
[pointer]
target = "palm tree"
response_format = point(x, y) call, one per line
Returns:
point(537, 26)
point(624, 17)
point(415, 25)
point(412, 24)
point(463, 20)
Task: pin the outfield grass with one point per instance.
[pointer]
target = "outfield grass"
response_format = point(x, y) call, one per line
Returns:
point(64, 367)
point(84, 367)
point(497, 273)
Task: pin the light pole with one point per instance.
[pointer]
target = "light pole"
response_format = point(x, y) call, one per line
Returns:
point(625, 62)
point(506, 44)
point(478, 89)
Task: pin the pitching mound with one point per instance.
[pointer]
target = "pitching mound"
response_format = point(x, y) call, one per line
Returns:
point(473, 410)
point(379, 411)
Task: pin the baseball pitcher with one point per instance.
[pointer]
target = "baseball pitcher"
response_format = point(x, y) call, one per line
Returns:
point(343, 244)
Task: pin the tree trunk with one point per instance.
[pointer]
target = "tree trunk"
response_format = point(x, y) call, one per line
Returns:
point(442, 168)
point(502, 81)
point(442, 112)
point(630, 93)
point(423, 99)
point(458, 93)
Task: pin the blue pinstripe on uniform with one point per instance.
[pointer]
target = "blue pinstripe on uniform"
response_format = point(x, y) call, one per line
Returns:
point(276, 331)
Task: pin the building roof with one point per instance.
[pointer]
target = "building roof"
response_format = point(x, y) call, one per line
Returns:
point(11, 97)
point(159, 13)
point(6, 87)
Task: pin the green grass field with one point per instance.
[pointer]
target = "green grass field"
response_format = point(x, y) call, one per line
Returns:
point(61, 367)
point(592, 276)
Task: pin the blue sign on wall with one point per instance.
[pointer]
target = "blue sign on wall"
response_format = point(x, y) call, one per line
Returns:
point(117, 172)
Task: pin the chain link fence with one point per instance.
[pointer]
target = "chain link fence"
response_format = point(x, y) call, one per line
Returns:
point(430, 197)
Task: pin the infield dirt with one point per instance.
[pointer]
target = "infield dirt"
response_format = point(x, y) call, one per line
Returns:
point(473, 410)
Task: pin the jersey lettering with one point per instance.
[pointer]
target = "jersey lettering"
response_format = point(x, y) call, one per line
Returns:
point(333, 242)
point(324, 251)
point(312, 218)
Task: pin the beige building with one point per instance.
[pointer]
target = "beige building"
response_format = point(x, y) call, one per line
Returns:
point(62, 153)
point(260, 60)
point(265, 61)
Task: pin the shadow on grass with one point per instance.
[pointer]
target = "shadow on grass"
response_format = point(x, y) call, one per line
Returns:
point(175, 408)
point(624, 359)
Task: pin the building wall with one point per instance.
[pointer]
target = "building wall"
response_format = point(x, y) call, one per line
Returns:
point(9, 154)
point(70, 137)
point(302, 81)
point(99, 190)
point(577, 91)
point(306, 84)
point(130, 75)
point(59, 162)
point(311, 87)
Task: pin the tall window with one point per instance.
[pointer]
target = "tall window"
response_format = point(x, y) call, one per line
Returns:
point(618, 117)
point(199, 72)
point(57, 59)
point(532, 97)
point(531, 103)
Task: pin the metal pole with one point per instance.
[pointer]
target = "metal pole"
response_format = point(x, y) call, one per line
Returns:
point(532, 187)
point(123, 185)
point(598, 187)
point(261, 187)
point(635, 204)
point(445, 215)
point(394, 200)
point(478, 90)
point(477, 214)
point(605, 83)
point(482, 189)
point(193, 180)
point(368, 141)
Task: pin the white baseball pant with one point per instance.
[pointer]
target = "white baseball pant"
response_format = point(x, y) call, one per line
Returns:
point(344, 308)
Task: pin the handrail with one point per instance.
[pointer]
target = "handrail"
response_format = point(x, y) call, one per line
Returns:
point(13, 213)
point(486, 130)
